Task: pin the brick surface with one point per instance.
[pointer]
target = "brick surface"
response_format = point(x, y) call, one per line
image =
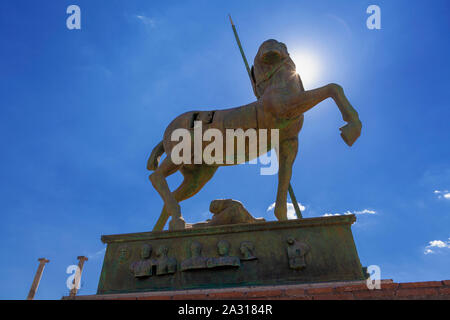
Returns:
point(154, 298)
point(340, 296)
point(125, 298)
point(416, 292)
point(321, 291)
point(298, 292)
point(265, 293)
point(444, 291)
point(358, 287)
point(301, 298)
point(290, 298)
point(325, 290)
point(389, 286)
point(427, 284)
point(375, 294)
point(227, 295)
point(200, 296)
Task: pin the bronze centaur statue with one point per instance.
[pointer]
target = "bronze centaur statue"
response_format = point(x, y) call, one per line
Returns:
point(282, 100)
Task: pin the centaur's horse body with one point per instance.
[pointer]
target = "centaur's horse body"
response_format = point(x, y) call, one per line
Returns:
point(281, 103)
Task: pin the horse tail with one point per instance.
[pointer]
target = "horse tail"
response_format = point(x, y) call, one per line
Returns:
point(156, 154)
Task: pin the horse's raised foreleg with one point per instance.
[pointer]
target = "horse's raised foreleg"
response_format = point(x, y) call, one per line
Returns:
point(295, 104)
point(352, 130)
point(286, 157)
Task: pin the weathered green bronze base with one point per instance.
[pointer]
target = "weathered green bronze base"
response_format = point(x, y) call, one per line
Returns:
point(265, 253)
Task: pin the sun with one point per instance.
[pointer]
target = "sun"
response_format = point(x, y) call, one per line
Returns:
point(308, 67)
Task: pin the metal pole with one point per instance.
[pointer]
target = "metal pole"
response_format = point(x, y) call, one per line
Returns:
point(298, 212)
point(77, 279)
point(37, 278)
point(291, 191)
point(240, 48)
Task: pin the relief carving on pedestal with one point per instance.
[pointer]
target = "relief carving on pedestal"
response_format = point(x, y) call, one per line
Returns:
point(297, 251)
point(165, 264)
point(196, 261)
point(247, 248)
point(224, 260)
point(143, 267)
point(123, 254)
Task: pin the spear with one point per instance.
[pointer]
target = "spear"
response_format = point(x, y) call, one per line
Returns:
point(240, 48)
point(291, 191)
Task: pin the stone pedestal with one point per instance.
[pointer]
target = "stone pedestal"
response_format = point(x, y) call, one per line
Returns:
point(309, 250)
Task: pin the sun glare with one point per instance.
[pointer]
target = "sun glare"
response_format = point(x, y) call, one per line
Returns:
point(308, 67)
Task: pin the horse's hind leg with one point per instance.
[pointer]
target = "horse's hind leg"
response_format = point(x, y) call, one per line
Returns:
point(158, 179)
point(195, 177)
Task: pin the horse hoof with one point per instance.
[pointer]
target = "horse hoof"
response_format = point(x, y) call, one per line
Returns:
point(177, 224)
point(351, 132)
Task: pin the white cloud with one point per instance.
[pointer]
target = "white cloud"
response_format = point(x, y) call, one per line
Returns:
point(333, 214)
point(439, 244)
point(436, 244)
point(365, 211)
point(290, 209)
point(442, 194)
point(96, 254)
point(146, 20)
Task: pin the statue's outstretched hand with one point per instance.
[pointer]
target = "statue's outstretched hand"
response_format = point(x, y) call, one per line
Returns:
point(351, 131)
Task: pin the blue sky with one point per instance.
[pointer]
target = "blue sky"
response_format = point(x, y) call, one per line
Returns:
point(81, 111)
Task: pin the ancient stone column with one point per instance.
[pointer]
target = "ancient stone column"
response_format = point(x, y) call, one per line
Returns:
point(77, 279)
point(37, 278)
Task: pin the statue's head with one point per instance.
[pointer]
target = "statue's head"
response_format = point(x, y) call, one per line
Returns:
point(246, 247)
point(219, 205)
point(223, 247)
point(271, 52)
point(196, 249)
point(216, 206)
point(271, 55)
point(123, 253)
point(146, 251)
point(162, 251)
